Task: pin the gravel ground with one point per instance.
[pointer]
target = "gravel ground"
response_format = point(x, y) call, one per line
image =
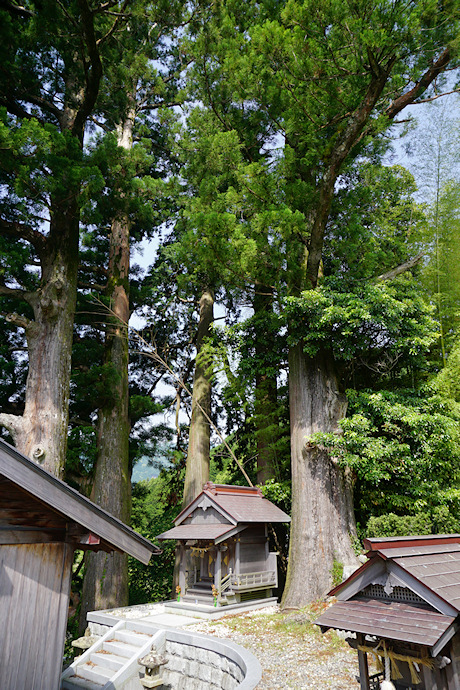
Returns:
point(292, 652)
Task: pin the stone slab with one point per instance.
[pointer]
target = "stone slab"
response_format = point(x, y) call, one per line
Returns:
point(169, 620)
point(204, 612)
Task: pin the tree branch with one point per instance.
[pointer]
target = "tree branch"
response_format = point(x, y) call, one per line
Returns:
point(91, 286)
point(18, 230)
point(427, 79)
point(350, 137)
point(340, 151)
point(435, 98)
point(402, 268)
point(43, 103)
point(18, 293)
point(95, 72)
point(15, 109)
point(13, 423)
point(18, 320)
point(16, 9)
point(119, 16)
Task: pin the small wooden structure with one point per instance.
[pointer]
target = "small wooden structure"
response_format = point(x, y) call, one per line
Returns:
point(403, 605)
point(223, 546)
point(42, 522)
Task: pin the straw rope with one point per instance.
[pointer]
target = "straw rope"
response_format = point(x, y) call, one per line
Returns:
point(396, 674)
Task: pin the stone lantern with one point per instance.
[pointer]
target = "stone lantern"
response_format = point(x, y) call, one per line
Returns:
point(152, 663)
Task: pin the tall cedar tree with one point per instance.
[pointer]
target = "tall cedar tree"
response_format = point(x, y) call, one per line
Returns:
point(138, 91)
point(199, 437)
point(52, 69)
point(332, 77)
point(253, 128)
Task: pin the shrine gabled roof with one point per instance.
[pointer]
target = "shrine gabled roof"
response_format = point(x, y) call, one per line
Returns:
point(238, 504)
point(51, 494)
point(430, 563)
point(427, 566)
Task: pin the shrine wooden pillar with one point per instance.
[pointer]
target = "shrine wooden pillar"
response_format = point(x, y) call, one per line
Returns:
point(218, 569)
point(182, 568)
point(363, 665)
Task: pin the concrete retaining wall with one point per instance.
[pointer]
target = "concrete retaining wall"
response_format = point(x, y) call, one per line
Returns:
point(201, 662)
point(198, 662)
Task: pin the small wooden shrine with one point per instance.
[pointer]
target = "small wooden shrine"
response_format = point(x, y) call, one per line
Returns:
point(42, 522)
point(223, 546)
point(403, 606)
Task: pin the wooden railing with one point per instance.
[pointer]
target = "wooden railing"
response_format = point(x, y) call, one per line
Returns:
point(225, 585)
point(246, 581)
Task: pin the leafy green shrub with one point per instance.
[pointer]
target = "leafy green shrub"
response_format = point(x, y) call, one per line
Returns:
point(391, 525)
point(403, 449)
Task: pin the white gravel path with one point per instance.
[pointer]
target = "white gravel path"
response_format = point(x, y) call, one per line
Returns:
point(292, 652)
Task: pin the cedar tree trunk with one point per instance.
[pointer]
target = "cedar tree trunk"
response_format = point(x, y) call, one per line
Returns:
point(197, 469)
point(106, 577)
point(322, 505)
point(266, 388)
point(41, 431)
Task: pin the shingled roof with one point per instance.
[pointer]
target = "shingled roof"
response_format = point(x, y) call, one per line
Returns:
point(424, 570)
point(237, 505)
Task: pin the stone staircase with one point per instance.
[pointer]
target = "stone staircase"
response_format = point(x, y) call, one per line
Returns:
point(112, 661)
point(200, 593)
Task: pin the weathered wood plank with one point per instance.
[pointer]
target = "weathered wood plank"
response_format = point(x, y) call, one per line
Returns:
point(30, 536)
point(25, 627)
point(43, 656)
point(50, 675)
point(429, 679)
point(15, 565)
point(35, 585)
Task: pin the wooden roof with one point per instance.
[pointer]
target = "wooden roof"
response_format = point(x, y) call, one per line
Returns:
point(238, 504)
point(391, 620)
point(52, 505)
point(428, 566)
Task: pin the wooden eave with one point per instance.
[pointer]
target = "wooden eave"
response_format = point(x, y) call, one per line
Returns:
point(71, 505)
point(212, 533)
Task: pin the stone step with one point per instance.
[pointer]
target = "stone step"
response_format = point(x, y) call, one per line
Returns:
point(109, 660)
point(76, 683)
point(200, 589)
point(205, 584)
point(191, 593)
point(96, 674)
point(137, 639)
point(120, 648)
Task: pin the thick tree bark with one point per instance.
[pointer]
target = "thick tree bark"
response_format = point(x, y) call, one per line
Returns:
point(322, 506)
point(106, 577)
point(41, 432)
point(266, 389)
point(197, 469)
